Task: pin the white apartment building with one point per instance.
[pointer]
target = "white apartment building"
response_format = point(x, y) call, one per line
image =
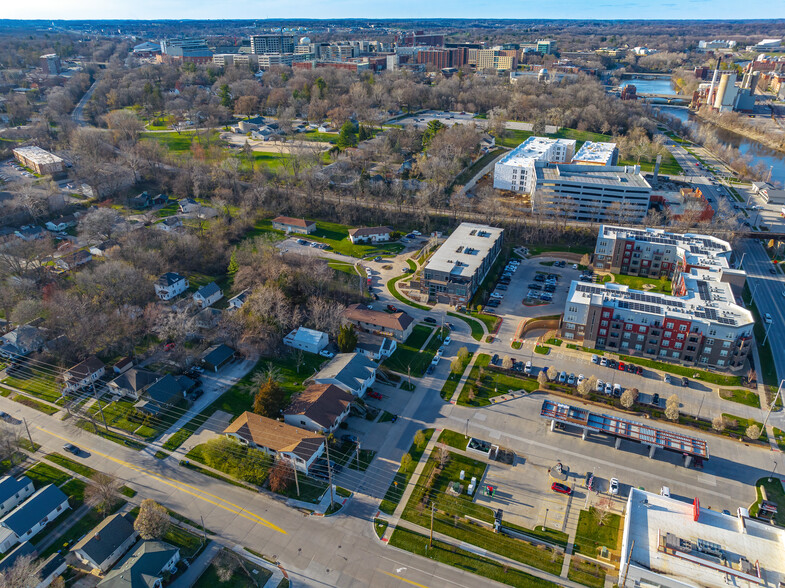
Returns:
point(516, 170)
point(596, 153)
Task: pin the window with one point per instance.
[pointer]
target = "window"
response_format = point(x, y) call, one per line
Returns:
point(641, 338)
point(726, 343)
point(603, 323)
point(675, 354)
point(666, 343)
point(677, 345)
point(668, 334)
point(628, 327)
point(638, 347)
point(669, 325)
point(603, 331)
point(709, 341)
point(626, 335)
point(723, 353)
point(704, 359)
point(682, 328)
point(663, 352)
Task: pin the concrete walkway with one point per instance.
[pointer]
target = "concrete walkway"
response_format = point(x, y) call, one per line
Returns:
point(197, 567)
point(464, 377)
point(63, 528)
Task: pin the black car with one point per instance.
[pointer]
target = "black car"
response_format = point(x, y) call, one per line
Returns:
point(71, 449)
point(492, 304)
point(504, 280)
point(430, 320)
point(539, 278)
point(347, 438)
point(613, 364)
point(535, 287)
point(630, 368)
point(495, 358)
point(685, 382)
point(586, 279)
point(655, 400)
point(501, 287)
point(550, 288)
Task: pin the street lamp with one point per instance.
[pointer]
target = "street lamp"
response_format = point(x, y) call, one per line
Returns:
point(774, 470)
point(767, 333)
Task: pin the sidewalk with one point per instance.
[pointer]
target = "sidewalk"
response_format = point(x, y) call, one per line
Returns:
point(197, 567)
point(762, 395)
point(464, 377)
point(396, 517)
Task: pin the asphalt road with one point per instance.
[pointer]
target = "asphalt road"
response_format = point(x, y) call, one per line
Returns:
point(78, 114)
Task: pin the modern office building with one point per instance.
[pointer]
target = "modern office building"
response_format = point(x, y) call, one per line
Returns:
point(39, 160)
point(700, 324)
point(671, 543)
point(595, 153)
point(653, 253)
point(275, 43)
point(546, 46)
point(591, 193)
point(516, 171)
point(456, 270)
point(50, 64)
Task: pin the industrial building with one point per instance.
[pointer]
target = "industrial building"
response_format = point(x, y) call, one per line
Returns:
point(39, 160)
point(724, 94)
point(516, 170)
point(700, 324)
point(457, 269)
point(671, 543)
point(654, 253)
point(269, 44)
point(591, 193)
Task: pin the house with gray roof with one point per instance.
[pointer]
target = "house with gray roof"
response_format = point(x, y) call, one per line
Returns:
point(84, 373)
point(170, 285)
point(31, 516)
point(352, 372)
point(144, 567)
point(163, 394)
point(106, 543)
point(208, 295)
point(133, 382)
point(13, 492)
point(23, 340)
point(21, 550)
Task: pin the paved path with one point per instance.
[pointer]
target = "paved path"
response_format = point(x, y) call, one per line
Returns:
point(198, 566)
point(462, 381)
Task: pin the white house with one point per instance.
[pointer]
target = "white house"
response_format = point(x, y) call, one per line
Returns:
point(351, 372)
point(306, 339)
point(106, 543)
point(187, 205)
point(376, 348)
point(319, 408)
point(279, 440)
point(13, 491)
point(208, 295)
point(61, 224)
point(370, 234)
point(101, 249)
point(238, 301)
point(170, 285)
point(83, 374)
point(170, 224)
point(31, 516)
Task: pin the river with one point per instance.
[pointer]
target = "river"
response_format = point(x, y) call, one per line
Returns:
point(771, 158)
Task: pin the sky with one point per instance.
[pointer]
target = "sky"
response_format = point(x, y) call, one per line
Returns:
point(260, 9)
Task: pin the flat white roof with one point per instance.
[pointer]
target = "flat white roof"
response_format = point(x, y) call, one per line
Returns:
point(707, 552)
point(621, 176)
point(38, 155)
point(464, 251)
point(595, 152)
point(533, 149)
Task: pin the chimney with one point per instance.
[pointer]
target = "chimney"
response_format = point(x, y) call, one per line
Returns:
point(97, 536)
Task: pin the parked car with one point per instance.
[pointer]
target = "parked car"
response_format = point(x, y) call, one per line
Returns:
point(614, 487)
point(495, 358)
point(391, 308)
point(562, 377)
point(630, 368)
point(535, 287)
point(492, 303)
point(638, 370)
point(375, 394)
point(349, 438)
point(655, 400)
point(501, 287)
point(595, 359)
point(685, 382)
point(580, 379)
point(326, 353)
point(600, 386)
point(767, 318)
point(430, 320)
point(539, 278)
point(571, 380)
point(617, 390)
point(528, 368)
point(612, 363)
point(447, 341)
point(621, 366)
point(561, 488)
point(604, 362)
point(608, 388)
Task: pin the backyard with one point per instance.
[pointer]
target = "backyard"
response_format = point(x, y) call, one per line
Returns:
point(662, 285)
point(408, 354)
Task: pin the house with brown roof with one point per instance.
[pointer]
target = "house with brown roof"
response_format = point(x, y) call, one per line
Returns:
point(397, 325)
point(294, 225)
point(370, 234)
point(320, 408)
point(84, 373)
point(278, 440)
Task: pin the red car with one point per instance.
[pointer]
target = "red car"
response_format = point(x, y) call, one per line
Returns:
point(168, 346)
point(561, 488)
point(376, 395)
point(392, 308)
point(621, 366)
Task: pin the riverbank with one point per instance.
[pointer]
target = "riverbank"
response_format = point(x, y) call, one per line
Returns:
point(772, 137)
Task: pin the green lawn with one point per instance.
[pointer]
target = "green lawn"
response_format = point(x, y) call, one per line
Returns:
point(409, 355)
point(742, 396)
point(464, 560)
point(476, 327)
point(492, 383)
point(70, 464)
point(586, 572)
point(541, 249)
point(42, 474)
point(110, 435)
point(662, 285)
point(774, 493)
point(347, 268)
point(240, 578)
point(380, 526)
point(311, 490)
point(400, 297)
point(175, 142)
point(742, 424)
point(589, 536)
point(711, 377)
point(453, 439)
point(491, 321)
point(80, 528)
point(475, 168)
point(393, 495)
point(122, 415)
point(419, 336)
point(40, 406)
point(37, 382)
point(188, 543)
point(337, 236)
point(448, 389)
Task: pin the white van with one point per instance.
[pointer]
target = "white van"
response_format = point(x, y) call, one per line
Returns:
point(528, 368)
point(665, 491)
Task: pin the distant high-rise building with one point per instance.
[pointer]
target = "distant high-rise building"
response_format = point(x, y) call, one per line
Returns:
point(419, 38)
point(51, 64)
point(269, 44)
point(546, 46)
point(498, 59)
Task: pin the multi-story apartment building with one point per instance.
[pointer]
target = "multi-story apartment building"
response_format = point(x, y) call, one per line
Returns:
point(419, 38)
point(441, 58)
point(516, 170)
point(591, 193)
point(456, 270)
point(653, 253)
point(497, 58)
point(50, 63)
point(595, 153)
point(39, 160)
point(268, 44)
point(699, 325)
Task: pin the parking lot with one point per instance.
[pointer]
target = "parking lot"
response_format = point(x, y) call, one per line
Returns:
point(421, 120)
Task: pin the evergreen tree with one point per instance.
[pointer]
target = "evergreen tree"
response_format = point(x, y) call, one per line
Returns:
point(347, 339)
point(347, 137)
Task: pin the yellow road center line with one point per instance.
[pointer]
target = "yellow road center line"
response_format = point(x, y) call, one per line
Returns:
point(404, 579)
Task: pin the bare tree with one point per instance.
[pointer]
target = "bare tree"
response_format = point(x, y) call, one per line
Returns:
point(152, 521)
point(753, 432)
point(602, 511)
point(226, 565)
point(102, 493)
point(542, 378)
point(23, 574)
point(629, 397)
point(587, 386)
point(9, 443)
point(718, 423)
point(507, 362)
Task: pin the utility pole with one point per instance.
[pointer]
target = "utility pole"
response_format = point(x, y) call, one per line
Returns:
point(32, 445)
point(296, 480)
point(329, 469)
point(773, 404)
point(767, 335)
point(204, 531)
point(430, 540)
point(358, 456)
point(101, 408)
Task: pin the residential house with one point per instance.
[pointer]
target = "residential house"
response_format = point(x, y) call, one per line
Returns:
point(487, 142)
point(145, 566)
point(306, 339)
point(207, 318)
point(123, 365)
point(106, 543)
point(31, 516)
point(13, 492)
point(373, 347)
point(397, 325)
point(319, 408)
point(370, 234)
point(217, 356)
point(23, 340)
point(140, 202)
point(248, 125)
point(186, 384)
point(170, 223)
point(326, 128)
point(279, 440)
point(101, 249)
point(74, 260)
point(353, 372)
point(294, 225)
point(53, 567)
point(61, 224)
point(25, 549)
point(170, 285)
point(83, 374)
point(208, 295)
point(188, 205)
point(160, 199)
point(30, 232)
point(165, 393)
point(238, 301)
point(133, 382)
point(262, 134)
